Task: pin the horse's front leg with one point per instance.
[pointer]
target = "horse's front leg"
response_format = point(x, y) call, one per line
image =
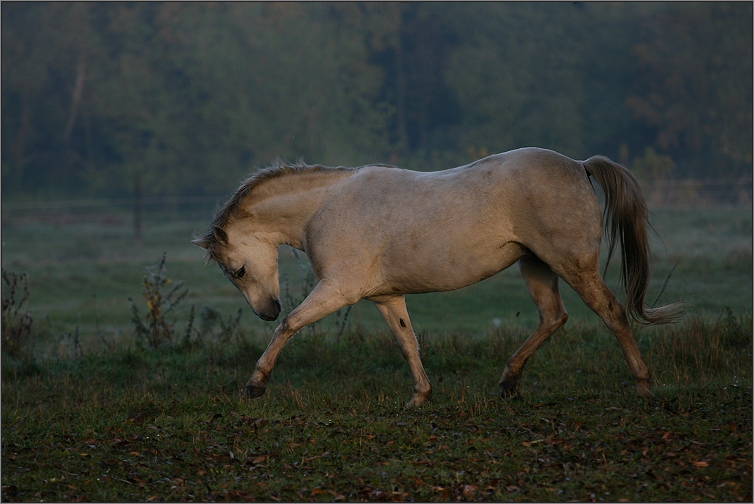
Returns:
point(394, 312)
point(323, 300)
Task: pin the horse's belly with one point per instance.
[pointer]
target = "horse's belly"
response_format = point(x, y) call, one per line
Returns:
point(443, 270)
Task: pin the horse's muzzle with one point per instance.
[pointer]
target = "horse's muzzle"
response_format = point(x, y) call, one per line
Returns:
point(271, 312)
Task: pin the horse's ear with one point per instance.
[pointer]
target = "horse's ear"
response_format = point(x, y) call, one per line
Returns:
point(221, 236)
point(200, 242)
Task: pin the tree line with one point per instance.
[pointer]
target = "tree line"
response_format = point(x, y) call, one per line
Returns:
point(188, 98)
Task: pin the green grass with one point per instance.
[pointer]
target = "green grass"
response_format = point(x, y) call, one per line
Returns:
point(91, 415)
point(169, 424)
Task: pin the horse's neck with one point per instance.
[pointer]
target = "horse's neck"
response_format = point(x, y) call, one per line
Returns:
point(287, 204)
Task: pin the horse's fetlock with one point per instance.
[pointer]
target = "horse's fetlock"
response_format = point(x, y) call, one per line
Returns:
point(511, 371)
point(427, 392)
point(643, 388)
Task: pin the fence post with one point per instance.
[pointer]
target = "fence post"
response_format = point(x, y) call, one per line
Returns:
point(137, 208)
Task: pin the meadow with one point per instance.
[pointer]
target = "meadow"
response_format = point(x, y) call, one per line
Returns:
point(92, 412)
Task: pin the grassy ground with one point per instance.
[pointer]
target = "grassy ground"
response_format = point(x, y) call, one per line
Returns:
point(89, 415)
point(169, 424)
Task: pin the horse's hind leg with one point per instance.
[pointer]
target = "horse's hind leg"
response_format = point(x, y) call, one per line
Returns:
point(596, 294)
point(393, 309)
point(542, 283)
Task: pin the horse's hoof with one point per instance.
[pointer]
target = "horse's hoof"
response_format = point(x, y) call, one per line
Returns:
point(254, 390)
point(417, 400)
point(642, 389)
point(509, 390)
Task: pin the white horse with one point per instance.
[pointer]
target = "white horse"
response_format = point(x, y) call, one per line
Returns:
point(379, 232)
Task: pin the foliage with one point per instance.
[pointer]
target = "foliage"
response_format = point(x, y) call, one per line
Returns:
point(696, 74)
point(187, 96)
point(169, 424)
point(16, 318)
point(509, 103)
point(652, 166)
point(157, 327)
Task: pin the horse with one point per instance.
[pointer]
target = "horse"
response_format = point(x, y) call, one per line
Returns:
point(379, 232)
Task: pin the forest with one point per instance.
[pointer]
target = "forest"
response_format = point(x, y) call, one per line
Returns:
point(185, 99)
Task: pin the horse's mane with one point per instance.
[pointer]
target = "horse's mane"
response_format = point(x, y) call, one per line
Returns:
point(278, 169)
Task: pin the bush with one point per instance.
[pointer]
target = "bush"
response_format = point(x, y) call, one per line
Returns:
point(156, 328)
point(16, 318)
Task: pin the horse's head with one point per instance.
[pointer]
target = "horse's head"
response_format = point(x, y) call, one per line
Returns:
point(250, 264)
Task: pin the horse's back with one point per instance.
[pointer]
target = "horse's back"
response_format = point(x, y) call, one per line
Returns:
point(523, 183)
point(428, 231)
point(529, 163)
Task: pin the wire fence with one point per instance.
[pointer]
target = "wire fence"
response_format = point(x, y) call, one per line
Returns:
point(112, 211)
point(679, 194)
point(696, 193)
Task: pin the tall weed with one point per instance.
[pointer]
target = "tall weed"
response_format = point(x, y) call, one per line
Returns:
point(703, 349)
point(157, 327)
point(16, 318)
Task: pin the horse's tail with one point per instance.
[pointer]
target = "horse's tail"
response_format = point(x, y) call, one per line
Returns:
point(626, 220)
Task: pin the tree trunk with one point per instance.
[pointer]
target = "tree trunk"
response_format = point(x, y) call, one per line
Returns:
point(137, 209)
point(400, 92)
point(78, 92)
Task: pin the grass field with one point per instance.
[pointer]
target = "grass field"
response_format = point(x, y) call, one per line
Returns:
point(89, 415)
point(82, 273)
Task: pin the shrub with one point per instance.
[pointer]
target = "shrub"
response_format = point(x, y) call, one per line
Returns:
point(156, 328)
point(16, 318)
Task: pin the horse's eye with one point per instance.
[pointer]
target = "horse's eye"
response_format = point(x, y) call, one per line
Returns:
point(241, 272)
